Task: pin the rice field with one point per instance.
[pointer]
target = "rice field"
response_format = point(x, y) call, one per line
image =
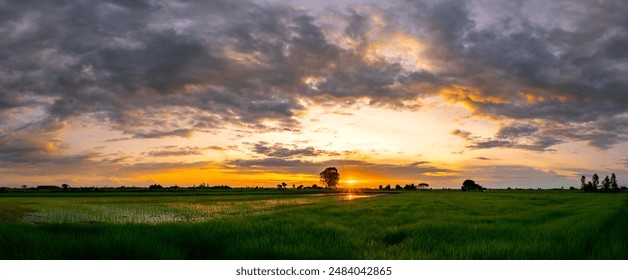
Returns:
point(68, 211)
point(293, 225)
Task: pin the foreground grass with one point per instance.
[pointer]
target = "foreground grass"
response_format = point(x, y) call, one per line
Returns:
point(417, 225)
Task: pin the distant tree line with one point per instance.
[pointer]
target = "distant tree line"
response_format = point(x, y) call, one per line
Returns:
point(283, 185)
point(607, 185)
point(67, 188)
point(330, 179)
point(217, 187)
point(407, 187)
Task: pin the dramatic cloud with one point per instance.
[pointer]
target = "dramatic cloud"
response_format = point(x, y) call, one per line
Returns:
point(287, 166)
point(519, 60)
point(601, 134)
point(483, 158)
point(279, 150)
point(139, 64)
point(517, 135)
point(170, 151)
point(199, 64)
point(548, 73)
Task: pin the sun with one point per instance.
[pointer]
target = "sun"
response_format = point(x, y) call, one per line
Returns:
point(352, 183)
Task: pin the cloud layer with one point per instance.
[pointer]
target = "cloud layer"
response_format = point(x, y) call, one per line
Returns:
point(550, 72)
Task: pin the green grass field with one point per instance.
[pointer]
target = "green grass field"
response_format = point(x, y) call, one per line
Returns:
point(240, 224)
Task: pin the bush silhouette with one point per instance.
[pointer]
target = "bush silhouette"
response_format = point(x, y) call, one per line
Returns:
point(470, 185)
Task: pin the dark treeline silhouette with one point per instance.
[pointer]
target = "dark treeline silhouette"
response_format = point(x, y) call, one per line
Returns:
point(205, 186)
point(48, 187)
point(202, 186)
point(153, 187)
point(302, 187)
point(407, 187)
point(330, 178)
point(470, 185)
point(608, 184)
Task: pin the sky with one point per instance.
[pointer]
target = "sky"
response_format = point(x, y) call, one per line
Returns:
point(521, 94)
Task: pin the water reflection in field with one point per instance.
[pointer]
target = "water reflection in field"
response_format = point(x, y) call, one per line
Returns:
point(356, 196)
point(170, 212)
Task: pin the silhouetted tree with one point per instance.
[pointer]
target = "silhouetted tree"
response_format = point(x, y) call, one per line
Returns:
point(583, 182)
point(470, 185)
point(614, 186)
point(423, 185)
point(65, 186)
point(381, 187)
point(220, 187)
point(330, 177)
point(409, 187)
point(595, 180)
point(387, 187)
point(606, 184)
point(47, 187)
point(155, 187)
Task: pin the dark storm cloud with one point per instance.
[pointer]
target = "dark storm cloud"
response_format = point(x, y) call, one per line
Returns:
point(8, 101)
point(31, 143)
point(279, 150)
point(544, 59)
point(169, 151)
point(605, 132)
point(22, 149)
point(212, 62)
point(516, 135)
point(156, 69)
point(290, 166)
point(160, 134)
point(483, 158)
point(602, 134)
point(358, 25)
point(517, 130)
point(267, 163)
point(532, 60)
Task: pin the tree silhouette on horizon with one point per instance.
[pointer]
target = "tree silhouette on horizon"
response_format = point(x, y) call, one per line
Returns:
point(470, 185)
point(330, 177)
